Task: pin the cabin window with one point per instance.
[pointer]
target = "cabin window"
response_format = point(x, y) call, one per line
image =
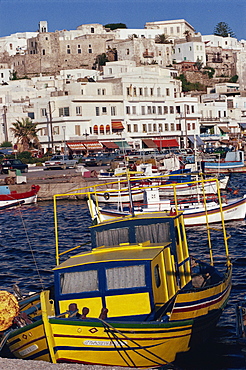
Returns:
point(112, 237)
point(158, 233)
point(157, 276)
point(78, 282)
point(126, 277)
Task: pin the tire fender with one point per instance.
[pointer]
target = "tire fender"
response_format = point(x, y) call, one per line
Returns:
point(106, 196)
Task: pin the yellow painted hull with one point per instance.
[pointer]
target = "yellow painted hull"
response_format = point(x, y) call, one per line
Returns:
point(145, 344)
point(123, 343)
point(30, 343)
point(141, 345)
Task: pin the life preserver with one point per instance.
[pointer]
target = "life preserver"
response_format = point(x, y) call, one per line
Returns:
point(106, 196)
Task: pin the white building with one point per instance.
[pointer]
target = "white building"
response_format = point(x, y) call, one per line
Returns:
point(191, 51)
point(16, 43)
point(137, 104)
point(175, 29)
point(5, 75)
point(126, 33)
point(215, 122)
point(224, 42)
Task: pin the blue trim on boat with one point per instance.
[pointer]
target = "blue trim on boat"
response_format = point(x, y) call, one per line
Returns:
point(103, 292)
point(103, 348)
point(200, 301)
point(38, 354)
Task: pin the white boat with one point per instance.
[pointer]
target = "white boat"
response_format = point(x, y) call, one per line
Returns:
point(194, 212)
point(193, 189)
point(233, 161)
point(143, 169)
point(119, 196)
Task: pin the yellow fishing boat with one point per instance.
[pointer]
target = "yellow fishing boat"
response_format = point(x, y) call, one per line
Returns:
point(137, 299)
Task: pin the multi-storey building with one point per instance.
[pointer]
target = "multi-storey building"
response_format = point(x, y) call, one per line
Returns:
point(142, 51)
point(175, 29)
point(190, 51)
point(50, 52)
point(136, 104)
point(216, 124)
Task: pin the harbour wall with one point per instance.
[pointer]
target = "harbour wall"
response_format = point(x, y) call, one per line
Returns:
point(57, 184)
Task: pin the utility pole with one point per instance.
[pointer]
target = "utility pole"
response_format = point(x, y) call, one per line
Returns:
point(5, 123)
point(51, 128)
point(186, 134)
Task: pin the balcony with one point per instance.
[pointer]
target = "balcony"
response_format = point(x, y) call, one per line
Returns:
point(209, 119)
point(217, 60)
point(148, 54)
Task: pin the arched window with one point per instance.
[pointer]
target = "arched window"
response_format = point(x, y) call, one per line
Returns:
point(95, 129)
point(101, 129)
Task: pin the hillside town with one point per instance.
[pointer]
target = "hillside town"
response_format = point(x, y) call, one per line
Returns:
point(96, 88)
point(126, 260)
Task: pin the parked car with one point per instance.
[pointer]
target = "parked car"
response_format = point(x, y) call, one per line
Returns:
point(89, 161)
point(104, 159)
point(60, 161)
point(13, 164)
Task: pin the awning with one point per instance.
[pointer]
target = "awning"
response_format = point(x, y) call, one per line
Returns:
point(110, 144)
point(117, 126)
point(242, 125)
point(122, 144)
point(93, 145)
point(166, 143)
point(199, 141)
point(76, 146)
point(149, 143)
point(224, 129)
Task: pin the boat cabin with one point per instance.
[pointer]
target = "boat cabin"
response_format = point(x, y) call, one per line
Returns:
point(135, 268)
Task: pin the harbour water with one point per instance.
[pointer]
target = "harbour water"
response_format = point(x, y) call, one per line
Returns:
point(27, 256)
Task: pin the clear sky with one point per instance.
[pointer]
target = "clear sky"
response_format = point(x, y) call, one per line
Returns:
point(203, 15)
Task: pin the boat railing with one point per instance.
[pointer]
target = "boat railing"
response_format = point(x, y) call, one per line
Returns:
point(92, 191)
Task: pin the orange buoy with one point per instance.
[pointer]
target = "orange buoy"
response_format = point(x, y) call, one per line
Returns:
point(9, 308)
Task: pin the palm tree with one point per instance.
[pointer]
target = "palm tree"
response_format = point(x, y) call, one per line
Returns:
point(162, 39)
point(25, 131)
point(187, 35)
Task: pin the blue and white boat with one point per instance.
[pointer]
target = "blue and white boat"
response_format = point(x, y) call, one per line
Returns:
point(232, 161)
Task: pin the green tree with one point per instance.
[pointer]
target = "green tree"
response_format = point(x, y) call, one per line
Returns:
point(198, 64)
point(101, 59)
point(162, 39)
point(6, 144)
point(209, 71)
point(26, 133)
point(190, 86)
point(222, 29)
point(233, 79)
point(114, 26)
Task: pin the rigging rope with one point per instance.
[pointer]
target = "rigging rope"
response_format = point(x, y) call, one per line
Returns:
point(30, 246)
point(139, 347)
